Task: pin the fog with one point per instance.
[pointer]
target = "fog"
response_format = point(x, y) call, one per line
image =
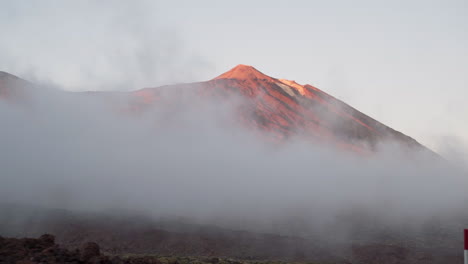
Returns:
point(192, 159)
point(189, 159)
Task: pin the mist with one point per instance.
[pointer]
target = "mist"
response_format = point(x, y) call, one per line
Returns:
point(193, 160)
point(189, 157)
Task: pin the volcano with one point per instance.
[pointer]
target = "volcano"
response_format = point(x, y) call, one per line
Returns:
point(285, 109)
point(279, 108)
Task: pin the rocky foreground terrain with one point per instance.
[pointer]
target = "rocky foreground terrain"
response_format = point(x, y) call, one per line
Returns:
point(110, 238)
point(44, 250)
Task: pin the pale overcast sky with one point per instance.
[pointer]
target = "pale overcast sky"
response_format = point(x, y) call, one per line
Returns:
point(404, 63)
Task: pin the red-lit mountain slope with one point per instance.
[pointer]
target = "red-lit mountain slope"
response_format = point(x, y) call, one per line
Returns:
point(280, 107)
point(287, 109)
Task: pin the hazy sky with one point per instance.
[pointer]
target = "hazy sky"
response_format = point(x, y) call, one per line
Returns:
point(404, 63)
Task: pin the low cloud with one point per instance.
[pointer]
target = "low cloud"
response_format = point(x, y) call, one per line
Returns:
point(77, 152)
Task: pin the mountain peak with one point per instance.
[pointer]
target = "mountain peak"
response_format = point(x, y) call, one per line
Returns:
point(243, 72)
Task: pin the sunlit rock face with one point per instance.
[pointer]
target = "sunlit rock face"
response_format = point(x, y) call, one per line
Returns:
point(279, 109)
point(286, 109)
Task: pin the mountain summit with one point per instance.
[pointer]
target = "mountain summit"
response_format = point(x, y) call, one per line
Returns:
point(244, 72)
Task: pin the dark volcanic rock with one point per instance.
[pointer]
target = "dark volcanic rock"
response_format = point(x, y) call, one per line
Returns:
point(47, 240)
point(44, 250)
point(89, 250)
